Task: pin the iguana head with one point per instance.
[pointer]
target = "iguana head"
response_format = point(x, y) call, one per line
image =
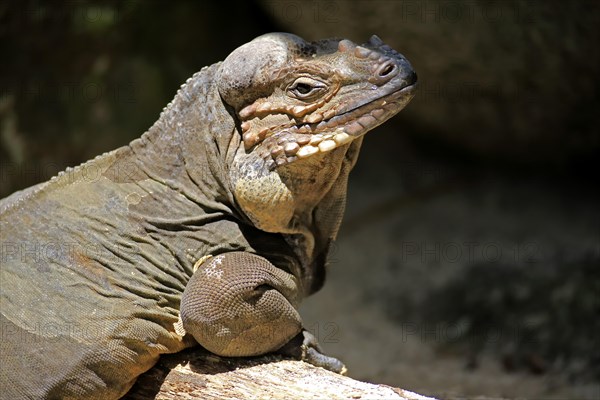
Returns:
point(301, 109)
point(295, 99)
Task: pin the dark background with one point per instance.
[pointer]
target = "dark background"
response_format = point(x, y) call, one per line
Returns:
point(468, 262)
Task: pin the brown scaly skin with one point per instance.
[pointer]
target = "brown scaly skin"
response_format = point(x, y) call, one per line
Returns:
point(212, 226)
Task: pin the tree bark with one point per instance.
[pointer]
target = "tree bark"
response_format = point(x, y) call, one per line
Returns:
point(197, 374)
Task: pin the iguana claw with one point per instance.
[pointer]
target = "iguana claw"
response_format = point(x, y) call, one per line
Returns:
point(305, 347)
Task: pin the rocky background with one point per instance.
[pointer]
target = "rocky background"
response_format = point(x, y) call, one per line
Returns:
point(469, 261)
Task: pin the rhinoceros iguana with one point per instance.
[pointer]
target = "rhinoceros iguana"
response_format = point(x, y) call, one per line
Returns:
point(216, 222)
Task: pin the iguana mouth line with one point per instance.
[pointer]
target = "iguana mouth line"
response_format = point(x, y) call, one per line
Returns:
point(355, 113)
point(306, 139)
point(404, 90)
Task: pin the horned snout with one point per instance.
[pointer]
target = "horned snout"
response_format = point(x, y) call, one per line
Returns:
point(387, 63)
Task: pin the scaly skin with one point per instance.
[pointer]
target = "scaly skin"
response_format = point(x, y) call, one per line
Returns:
point(221, 214)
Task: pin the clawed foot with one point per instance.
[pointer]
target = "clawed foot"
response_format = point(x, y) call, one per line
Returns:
point(305, 347)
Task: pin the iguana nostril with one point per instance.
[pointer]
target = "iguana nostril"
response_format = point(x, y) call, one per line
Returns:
point(386, 70)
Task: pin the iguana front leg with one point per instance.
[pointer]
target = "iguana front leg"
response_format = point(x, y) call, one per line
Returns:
point(239, 304)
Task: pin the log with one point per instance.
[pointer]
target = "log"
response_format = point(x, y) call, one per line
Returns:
point(198, 374)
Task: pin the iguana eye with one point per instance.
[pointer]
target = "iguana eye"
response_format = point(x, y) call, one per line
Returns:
point(305, 88)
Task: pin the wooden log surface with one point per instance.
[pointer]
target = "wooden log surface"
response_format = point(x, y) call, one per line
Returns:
point(197, 374)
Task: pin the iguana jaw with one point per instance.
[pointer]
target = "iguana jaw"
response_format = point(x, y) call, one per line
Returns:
point(300, 141)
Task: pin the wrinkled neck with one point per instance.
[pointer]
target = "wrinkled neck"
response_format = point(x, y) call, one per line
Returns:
point(187, 148)
point(320, 223)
